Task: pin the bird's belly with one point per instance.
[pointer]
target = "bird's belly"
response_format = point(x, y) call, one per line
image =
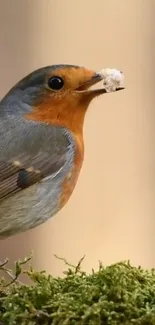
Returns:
point(30, 207)
point(36, 204)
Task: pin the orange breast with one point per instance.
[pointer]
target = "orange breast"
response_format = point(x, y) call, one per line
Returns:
point(70, 114)
point(72, 177)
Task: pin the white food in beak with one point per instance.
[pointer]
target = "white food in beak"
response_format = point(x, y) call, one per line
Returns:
point(112, 79)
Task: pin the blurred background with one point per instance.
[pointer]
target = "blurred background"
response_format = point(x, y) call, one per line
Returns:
point(111, 214)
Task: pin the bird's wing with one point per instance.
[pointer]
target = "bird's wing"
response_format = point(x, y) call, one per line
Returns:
point(29, 152)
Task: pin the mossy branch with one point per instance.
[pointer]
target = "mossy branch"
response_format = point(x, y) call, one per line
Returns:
point(18, 270)
point(119, 294)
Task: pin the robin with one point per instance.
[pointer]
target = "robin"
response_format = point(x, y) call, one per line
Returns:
point(41, 143)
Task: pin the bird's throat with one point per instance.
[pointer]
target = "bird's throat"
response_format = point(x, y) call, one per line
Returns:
point(64, 115)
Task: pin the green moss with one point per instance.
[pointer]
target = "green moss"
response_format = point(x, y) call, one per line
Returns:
point(119, 294)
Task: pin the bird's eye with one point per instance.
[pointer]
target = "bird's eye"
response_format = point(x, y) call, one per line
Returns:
point(55, 83)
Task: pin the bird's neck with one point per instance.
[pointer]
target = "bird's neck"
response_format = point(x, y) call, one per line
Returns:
point(63, 115)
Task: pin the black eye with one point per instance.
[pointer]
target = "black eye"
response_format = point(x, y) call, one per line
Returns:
point(55, 83)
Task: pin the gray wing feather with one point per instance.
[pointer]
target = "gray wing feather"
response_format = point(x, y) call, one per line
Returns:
point(29, 152)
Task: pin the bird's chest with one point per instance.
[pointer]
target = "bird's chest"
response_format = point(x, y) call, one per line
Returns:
point(71, 178)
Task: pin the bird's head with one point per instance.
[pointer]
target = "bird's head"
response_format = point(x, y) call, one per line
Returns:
point(58, 95)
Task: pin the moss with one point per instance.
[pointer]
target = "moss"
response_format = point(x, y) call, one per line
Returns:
point(119, 294)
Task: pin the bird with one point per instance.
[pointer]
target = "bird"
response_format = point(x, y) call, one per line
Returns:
point(41, 143)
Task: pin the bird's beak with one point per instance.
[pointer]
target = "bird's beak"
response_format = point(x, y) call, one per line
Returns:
point(96, 78)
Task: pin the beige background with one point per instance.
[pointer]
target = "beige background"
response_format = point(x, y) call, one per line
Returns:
point(111, 214)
